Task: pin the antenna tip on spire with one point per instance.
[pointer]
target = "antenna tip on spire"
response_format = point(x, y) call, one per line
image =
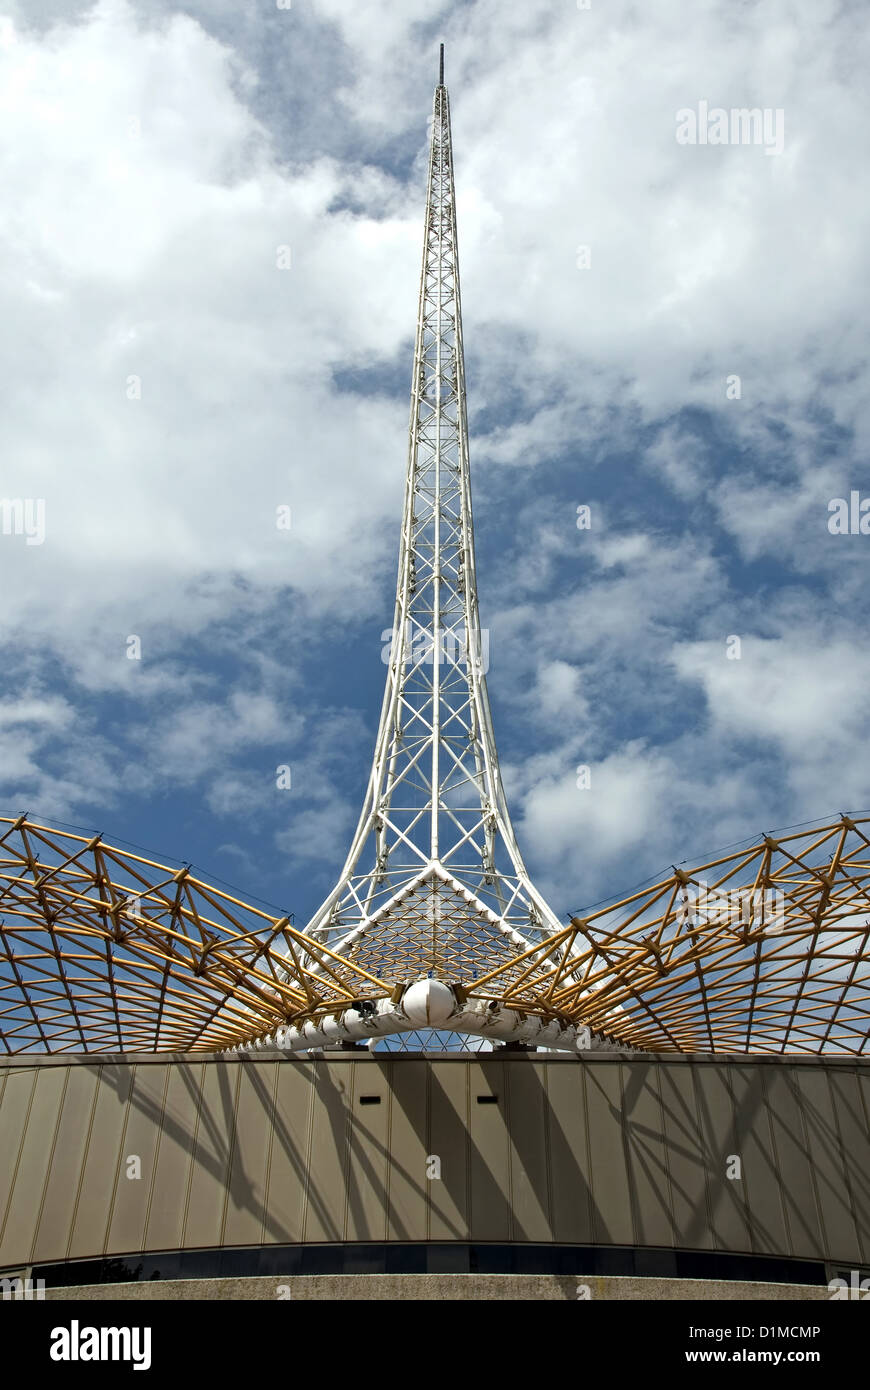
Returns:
point(441, 68)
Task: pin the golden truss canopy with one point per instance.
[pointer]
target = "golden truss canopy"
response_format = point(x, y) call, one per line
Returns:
point(762, 950)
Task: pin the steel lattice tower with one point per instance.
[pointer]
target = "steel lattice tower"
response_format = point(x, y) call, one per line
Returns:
point(434, 921)
point(434, 871)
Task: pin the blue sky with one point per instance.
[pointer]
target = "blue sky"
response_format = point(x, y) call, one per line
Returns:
point(156, 156)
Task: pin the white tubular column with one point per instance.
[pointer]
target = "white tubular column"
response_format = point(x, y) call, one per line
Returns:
point(431, 1004)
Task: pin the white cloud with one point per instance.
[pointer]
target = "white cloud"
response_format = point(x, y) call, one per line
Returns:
point(806, 697)
point(45, 712)
point(604, 820)
point(149, 251)
point(558, 691)
point(165, 281)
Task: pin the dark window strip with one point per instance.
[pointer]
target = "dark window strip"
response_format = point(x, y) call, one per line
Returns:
point(453, 1258)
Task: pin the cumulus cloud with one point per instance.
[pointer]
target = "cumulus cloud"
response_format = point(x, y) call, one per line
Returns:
point(211, 248)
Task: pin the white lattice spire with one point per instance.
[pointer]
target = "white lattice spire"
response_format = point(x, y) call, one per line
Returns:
point(434, 881)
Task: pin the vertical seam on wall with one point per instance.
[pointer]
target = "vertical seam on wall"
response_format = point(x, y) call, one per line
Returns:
point(744, 1188)
point(505, 1087)
point(347, 1143)
point(747, 1189)
point(745, 1184)
point(665, 1154)
point(150, 1198)
point(548, 1176)
point(863, 1108)
point(590, 1186)
point(626, 1158)
point(110, 1215)
point(820, 1215)
point(429, 1187)
point(734, 1133)
point(311, 1066)
point(233, 1144)
point(388, 1148)
point(57, 1124)
point(708, 1201)
point(83, 1167)
point(193, 1148)
point(731, 1141)
point(268, 1176)
point(469, 1145)
point(661, 1070)
point(777, 1167)
point(24, 1129)
point(844, 1162)
point(4, 1074)
point(346, 1140)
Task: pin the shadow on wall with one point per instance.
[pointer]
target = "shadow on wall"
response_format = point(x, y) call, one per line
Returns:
point(759, 1158)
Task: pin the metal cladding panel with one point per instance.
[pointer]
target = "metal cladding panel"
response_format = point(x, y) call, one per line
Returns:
point(411, 1177)
point(647, 1159)
point(570, 1168)
point(830, 1166)
point(611, 1210)
point(527, 1138)
point(489, 1157)
point(216, 1124)
point(67, 1164)
point(25, 1200)
point(855, 1134)
point(717, 1130)
point(327, 1182)
point(687, 1164)
point(139, 1140)
point(449, 1140)
point(796, 1179)
point(101, 1162)
point(289, 1160)
point(625, 1152)
point(174, 1162)
point(250, 1158)
point(863, 1076)
point(368, 1155)
point(758, 1162)
point(17, 1095)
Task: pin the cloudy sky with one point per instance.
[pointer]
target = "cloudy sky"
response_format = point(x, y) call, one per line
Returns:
point(211, 231)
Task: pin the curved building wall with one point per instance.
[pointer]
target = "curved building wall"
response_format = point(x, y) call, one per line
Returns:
point(531, 1148)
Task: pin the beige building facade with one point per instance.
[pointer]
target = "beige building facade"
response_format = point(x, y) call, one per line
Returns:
point(504, 1162)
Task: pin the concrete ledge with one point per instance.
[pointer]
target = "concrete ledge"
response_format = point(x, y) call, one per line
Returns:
point(33, 1061)
point(475, 1287)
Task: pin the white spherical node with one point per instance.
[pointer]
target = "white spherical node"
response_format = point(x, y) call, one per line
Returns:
point(428, 1003)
